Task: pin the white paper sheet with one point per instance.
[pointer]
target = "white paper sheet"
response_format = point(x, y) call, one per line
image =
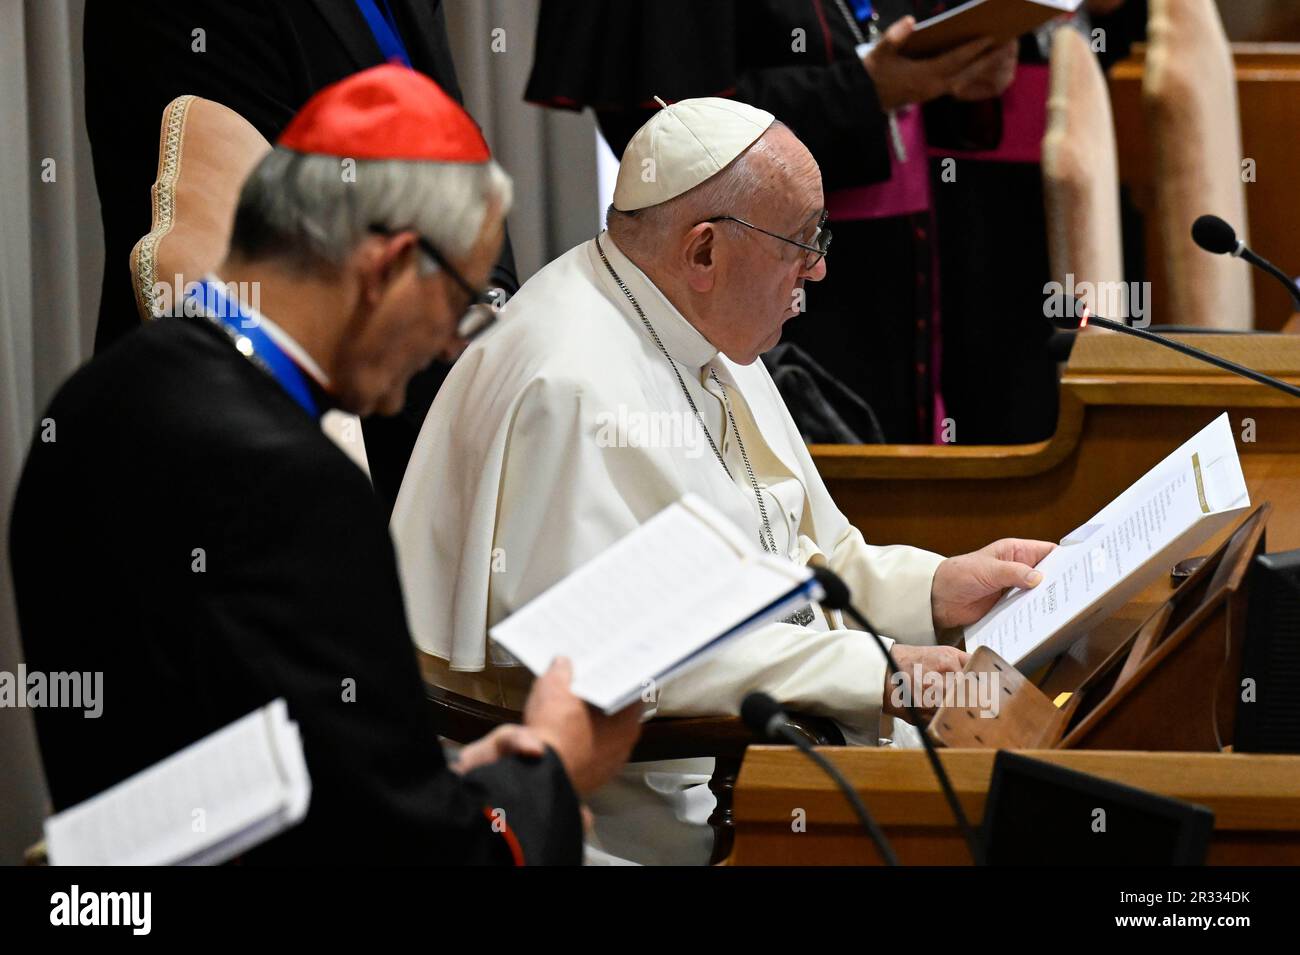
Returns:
point(201, 806)
point(656, 598)
point(1173, 509)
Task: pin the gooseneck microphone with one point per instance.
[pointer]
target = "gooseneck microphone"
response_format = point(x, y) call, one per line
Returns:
point(1071, 314)
point(837, 597)
point(764, 716)
point(1219, 238)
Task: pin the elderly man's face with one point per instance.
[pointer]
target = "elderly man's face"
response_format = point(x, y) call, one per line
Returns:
point(760, 278)
point(414, 320)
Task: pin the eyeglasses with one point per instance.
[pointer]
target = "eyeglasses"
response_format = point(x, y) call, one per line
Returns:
point(815, 252)
point(481, 311)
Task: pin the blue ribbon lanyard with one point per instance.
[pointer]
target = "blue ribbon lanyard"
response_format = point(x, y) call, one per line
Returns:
point(383, 26)
point(862, 9)
point(239, 325)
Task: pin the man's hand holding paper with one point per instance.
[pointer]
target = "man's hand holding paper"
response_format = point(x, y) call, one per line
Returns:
point(1173, 509)
point(965, 588)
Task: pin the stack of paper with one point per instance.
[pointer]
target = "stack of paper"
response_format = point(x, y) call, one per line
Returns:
point(658, 601)
point(208, 803)
point(1172, 510)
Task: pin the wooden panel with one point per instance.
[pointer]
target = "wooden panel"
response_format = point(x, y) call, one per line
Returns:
point(1255, 799)
point(1125, 404)
point(1260, 19)
point(1268, 90)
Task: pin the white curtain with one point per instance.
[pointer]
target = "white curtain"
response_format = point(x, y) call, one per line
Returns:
point(51, 256)
point(551, 154)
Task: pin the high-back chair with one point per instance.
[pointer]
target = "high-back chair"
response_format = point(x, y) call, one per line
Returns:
point(205, 152)
point(1081, 177)
point(1189, 95)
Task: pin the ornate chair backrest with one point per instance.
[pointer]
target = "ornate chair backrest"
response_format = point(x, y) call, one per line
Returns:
point(1081, 176)
point(1189, 94)
point(205, 153)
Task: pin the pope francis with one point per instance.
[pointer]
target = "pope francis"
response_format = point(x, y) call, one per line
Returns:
point(624, 375)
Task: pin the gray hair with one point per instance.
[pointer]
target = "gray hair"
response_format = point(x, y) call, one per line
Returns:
point(311, 211)
point(733, 191)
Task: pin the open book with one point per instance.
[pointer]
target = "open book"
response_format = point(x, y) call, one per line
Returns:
point(1169, 512)
point(1001, 20)
point(207, 803)
point(655, 603)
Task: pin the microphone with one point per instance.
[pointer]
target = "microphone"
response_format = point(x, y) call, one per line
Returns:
point(1071, 314)
point(1219, 238)
point(836, 596)
point(764, 716)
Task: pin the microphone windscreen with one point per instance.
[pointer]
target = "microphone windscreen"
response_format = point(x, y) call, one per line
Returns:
point(1214, 235)
point(836, 590)
point(757, 710)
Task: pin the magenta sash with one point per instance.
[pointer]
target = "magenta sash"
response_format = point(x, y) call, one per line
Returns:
point(905, 192)
point(1024, 120)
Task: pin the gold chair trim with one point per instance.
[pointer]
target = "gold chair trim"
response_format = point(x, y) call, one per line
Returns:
point(164, 202)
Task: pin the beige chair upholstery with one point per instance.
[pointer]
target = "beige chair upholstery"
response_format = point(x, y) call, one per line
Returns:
point(205, 153)
point(1190, 99)
point(1081, 178)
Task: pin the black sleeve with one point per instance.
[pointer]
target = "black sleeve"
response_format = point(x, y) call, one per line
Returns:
point(308, 602)
point(834, 110)
point(616, 55)
point(533, 800)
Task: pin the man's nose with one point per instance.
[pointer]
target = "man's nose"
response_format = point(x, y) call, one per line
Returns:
point(816, 273)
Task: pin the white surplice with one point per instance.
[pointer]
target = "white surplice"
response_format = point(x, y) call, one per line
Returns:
point(565, 428)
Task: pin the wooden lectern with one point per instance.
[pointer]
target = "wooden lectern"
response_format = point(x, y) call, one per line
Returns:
point(1148, 698)
point(1168, 682)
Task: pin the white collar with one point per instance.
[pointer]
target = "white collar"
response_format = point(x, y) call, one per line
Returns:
point(281, 338)
point(683, 340)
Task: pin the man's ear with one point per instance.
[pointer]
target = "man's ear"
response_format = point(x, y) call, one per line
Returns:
point(383, 260)
point(698, 254)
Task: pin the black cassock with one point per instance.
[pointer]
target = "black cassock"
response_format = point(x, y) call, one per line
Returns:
point(191, 533)
point(264, 61)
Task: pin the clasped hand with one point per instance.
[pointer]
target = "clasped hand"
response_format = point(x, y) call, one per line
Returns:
point(978, 70)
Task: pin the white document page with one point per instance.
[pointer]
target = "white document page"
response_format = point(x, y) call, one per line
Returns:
point(1162, 518)
point(999, 19)
point(962, 9)
point(203, 805)
point(656, 598)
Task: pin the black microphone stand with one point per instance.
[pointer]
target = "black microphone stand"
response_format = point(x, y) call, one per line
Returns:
point(838, 598)
point(778, 728)
point(1232, 366)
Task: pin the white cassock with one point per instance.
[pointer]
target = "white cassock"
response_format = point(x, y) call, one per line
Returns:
point(559, 433)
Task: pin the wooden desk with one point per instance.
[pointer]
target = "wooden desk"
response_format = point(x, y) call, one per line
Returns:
point(1255, 799)
point(1125, 404)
